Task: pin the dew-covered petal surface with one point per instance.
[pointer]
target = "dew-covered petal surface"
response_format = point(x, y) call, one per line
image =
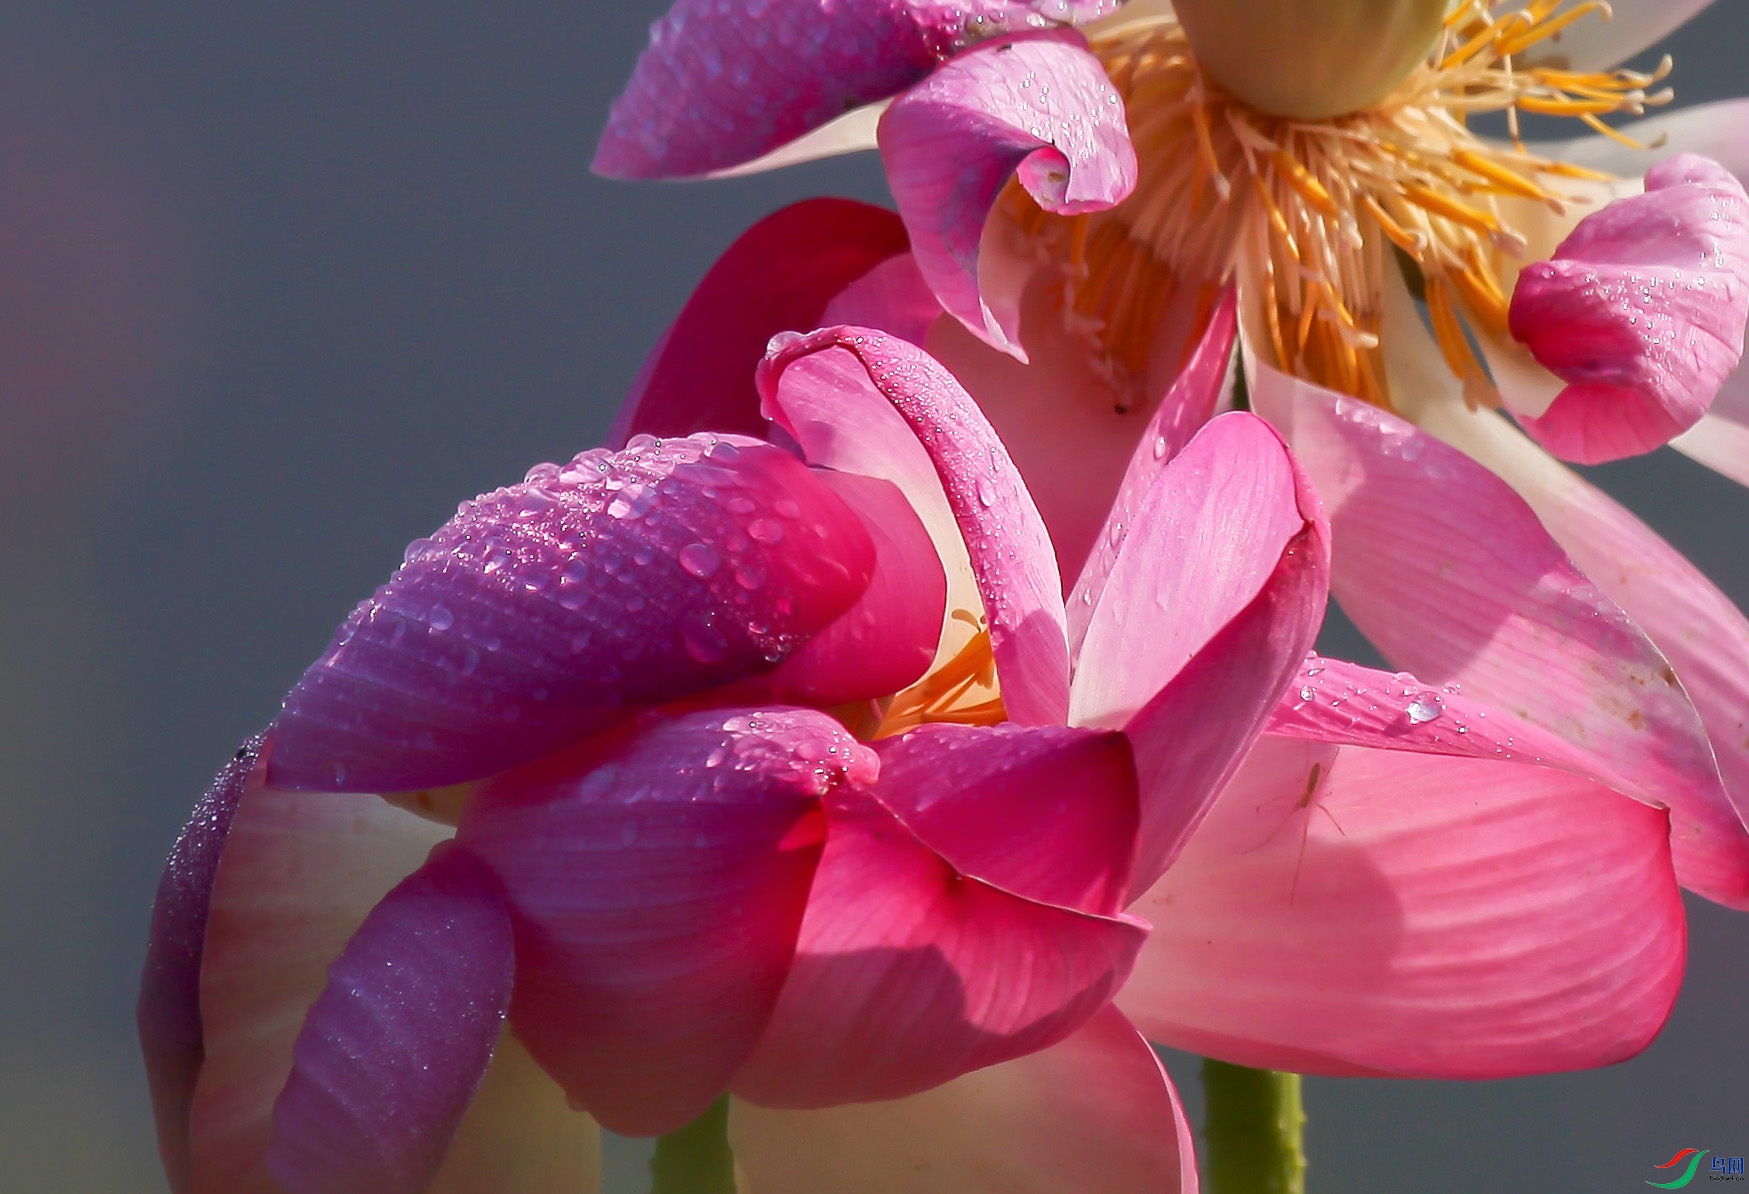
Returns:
point(778, 276)
point(909, 973)
point(1095, 1111)
point(549, 609)
point(1451, 575)
point(168, 1013)
point(893, 297)
point(840, 412)
point(299, 873)
point(1641, 311)
point(1354, 911)
point(726, 81)
point(656, 879)
point(393, 1050)
point(1038, 107)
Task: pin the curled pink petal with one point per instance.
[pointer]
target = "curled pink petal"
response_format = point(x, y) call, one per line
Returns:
point(778, 276)
point(893, 297)
point(1641, 311)
point(392, 1052)
point(168, 1012)
point(839, 411)
point(656, 880)
point(1038, 107)
point(546, 610)
point(1354, 911)
point(724, 81)
point(1093, 1112)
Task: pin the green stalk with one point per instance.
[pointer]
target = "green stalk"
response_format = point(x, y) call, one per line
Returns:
point(1251, 1131)
point(696, 1159)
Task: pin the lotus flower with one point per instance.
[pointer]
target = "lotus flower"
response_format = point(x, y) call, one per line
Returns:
point(1399, 278)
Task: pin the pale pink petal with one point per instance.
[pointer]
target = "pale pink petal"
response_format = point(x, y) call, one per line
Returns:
point(656, 881)
point(1094, 1112)
point(519, 1136)
point(724, 82)
point(1452, 576)
point(1355, 911)
point(909, 973)
point(778, 276)
point(1036, 106)
point(299, 873)
point(547, 610)
point(393, 1050)
point(1721, 439)
point(892, 297)
point(836, 409)
point(1596, 43)
point(1641, 310)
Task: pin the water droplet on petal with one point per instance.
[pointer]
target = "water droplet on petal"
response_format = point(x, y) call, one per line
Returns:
point(699, 560)
point(1423, 709)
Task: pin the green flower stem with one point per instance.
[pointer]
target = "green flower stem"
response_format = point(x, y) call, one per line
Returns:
point(696, 1159)
point(1251, 1131)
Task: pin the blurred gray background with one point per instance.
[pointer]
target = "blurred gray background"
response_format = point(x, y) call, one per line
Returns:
point(279, 284)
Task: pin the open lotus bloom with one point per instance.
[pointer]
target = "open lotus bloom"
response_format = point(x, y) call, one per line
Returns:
point(1401, 283)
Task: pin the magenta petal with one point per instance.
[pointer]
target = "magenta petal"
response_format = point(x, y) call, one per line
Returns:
point(1353, 911)
point(393, 1050)
point(547, 610)
point(168, 1012)
point(778, 276)
point(1037, 106)
point(909, 973)
point(656, 880)
point(1641, 311)
point(893, 297)
point(838, 416)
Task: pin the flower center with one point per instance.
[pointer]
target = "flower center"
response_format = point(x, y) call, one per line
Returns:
point(962, 691)
point(1306, 214)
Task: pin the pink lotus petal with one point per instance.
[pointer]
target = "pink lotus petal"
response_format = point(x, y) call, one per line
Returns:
point(1598, 44)
point(1721, 439)
point(299, 873)
point(547, 610)
point(392, 1052)
point(1094, 1112)
point(1036, 106)
point(834, 408)
point(1354, 911)
point(909, 973)
point(724, 82)
point(778, 276)
point(892, 297)
point(1188, 405)
point(1451, 575)
point(1642, 311)
point(980, 796)
point(168, 1012)
point(519, 1137)
point(656, 881)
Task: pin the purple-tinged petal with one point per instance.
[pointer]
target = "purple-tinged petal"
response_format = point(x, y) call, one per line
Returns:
point(778, 276)
point(168, 1012)
point(1452, 576)
point(1093, 1112)
point(1036, 107)
point(724, 81)
point(656, 880)
point(1354, 911)
point(892, 298)
point(393, 1050)
point(1641, 311)
point(547, 610)
point(299, 872)
point(519, 1136)
point(839, 411)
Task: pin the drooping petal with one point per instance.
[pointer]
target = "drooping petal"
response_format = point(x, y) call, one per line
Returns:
point(909, 973)
point(1451, 575)
point(1038, 107)
point(1641, 310)
point(840, 411)
point(1600, 42)
point(1095, 1111)
point(1354, 911)
point(723, 83)
point(656, 880)
point(299, 873)
point(393, 1050)
point(168, 1012)
point(548, 609)
point(892, 297)
point(778, 276)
